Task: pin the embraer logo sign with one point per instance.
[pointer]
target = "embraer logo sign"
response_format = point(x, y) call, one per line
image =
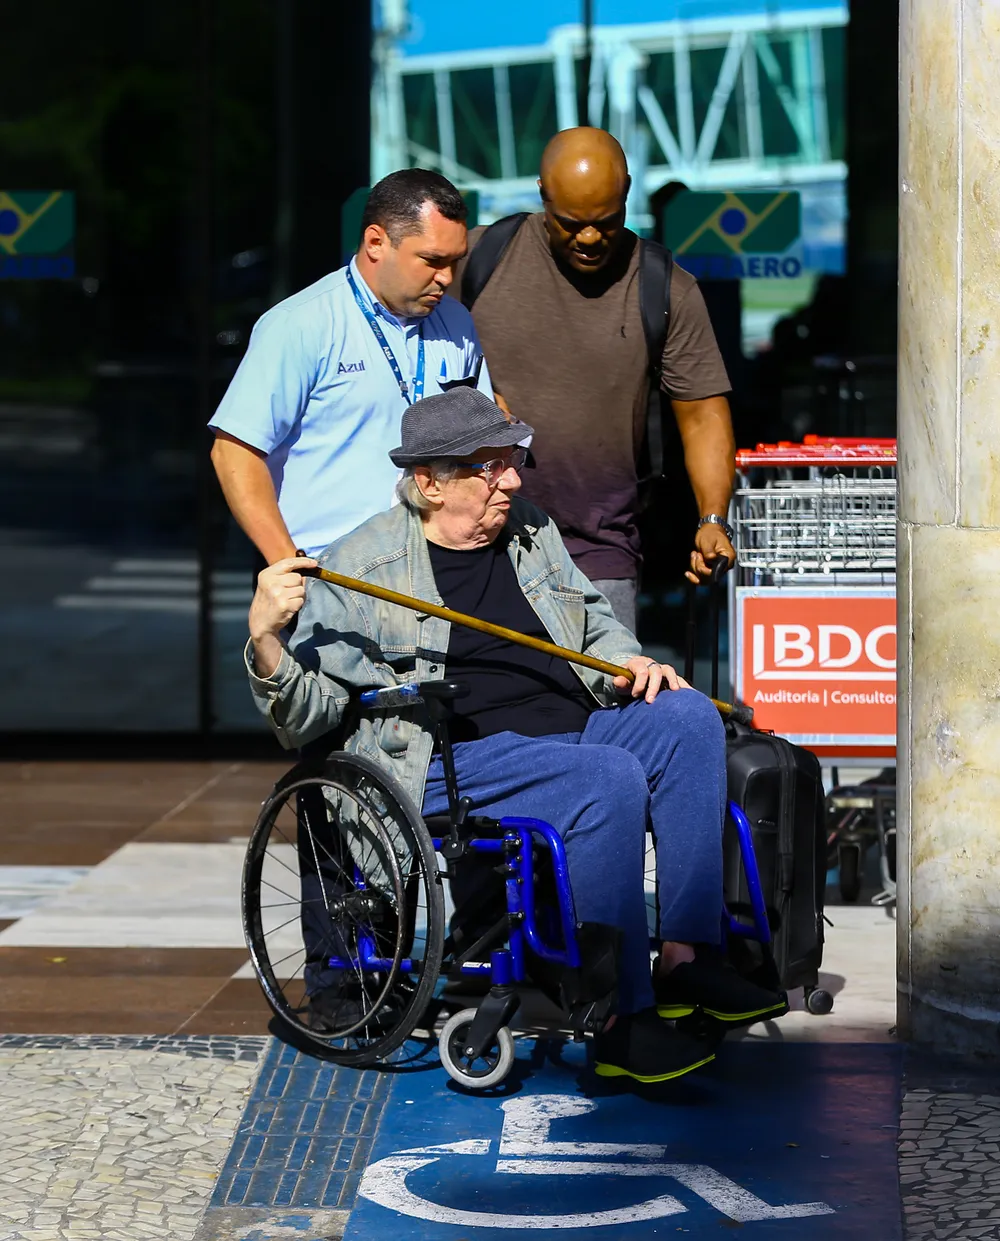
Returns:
point(783, 652)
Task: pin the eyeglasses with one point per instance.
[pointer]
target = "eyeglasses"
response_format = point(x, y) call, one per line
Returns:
point(493, 471)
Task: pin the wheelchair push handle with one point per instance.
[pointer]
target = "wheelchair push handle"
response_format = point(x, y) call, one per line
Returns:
point(727, 710)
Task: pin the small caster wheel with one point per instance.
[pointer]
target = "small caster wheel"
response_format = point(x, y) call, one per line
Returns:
point(818, 1001)
point(476, 1073)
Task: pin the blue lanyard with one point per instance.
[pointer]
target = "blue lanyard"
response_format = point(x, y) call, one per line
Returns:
point(390, 357)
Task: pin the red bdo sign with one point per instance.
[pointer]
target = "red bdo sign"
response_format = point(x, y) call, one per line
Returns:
point(818, 667)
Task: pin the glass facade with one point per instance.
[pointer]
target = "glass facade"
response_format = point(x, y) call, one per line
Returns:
point(715, 96)
point(740, 121)
point(169, 172)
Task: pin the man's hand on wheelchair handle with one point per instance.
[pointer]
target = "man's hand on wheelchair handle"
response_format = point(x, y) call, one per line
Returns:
point(280, 594)
point(649, 678)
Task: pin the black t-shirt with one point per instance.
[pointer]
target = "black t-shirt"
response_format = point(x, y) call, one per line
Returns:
point(512, 688)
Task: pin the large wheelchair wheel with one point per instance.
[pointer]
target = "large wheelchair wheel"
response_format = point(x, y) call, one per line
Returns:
point(342, 908)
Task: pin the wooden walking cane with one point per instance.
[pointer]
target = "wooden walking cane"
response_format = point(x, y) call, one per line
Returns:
point(728, 710)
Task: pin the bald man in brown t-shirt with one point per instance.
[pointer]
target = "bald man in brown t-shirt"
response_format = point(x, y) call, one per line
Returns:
point(560, 324)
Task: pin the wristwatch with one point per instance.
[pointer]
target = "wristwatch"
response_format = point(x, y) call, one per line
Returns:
point(713, 519)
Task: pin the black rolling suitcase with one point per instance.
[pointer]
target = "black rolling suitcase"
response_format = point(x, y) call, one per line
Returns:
point(779, 787)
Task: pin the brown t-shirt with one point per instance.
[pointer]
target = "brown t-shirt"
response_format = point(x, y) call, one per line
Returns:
point(569, 355)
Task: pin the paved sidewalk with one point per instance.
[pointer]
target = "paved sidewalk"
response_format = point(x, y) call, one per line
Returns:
point(949, 1151)
point(116, 1138)
point(142, 1095)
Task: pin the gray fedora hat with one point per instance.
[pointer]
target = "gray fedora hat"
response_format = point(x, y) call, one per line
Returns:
point(454, 424)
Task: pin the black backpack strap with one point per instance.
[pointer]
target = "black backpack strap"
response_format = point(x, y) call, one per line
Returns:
point(656, 266)
point(486, 254)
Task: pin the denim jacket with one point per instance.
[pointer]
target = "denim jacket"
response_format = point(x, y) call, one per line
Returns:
point(345, 642)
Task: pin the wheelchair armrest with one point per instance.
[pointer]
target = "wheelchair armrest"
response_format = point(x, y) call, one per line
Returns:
point(473, 825)
point(445, 691)
point(410, 694)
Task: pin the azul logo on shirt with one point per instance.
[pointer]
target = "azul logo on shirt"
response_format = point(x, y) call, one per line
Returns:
point(347, 367)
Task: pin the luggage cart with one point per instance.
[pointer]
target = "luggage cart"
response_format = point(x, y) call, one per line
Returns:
point(813, 623)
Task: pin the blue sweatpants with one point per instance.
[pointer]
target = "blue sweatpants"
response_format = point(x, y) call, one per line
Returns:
point(659, 764)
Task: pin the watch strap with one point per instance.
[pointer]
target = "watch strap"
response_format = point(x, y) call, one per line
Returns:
point(715, 519)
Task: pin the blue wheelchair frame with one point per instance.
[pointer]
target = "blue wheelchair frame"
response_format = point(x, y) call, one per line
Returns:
point(506, 966)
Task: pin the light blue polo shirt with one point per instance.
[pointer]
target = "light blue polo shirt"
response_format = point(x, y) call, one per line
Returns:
point(316, 393)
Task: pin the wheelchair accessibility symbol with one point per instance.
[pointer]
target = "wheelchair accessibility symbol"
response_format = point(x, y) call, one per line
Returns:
point(525, 1150)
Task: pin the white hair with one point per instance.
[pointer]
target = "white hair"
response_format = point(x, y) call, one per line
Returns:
point(410, 494)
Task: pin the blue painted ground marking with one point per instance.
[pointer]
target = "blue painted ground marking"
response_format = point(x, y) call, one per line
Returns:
point(305, 1135)
point(300, 1223)
point(786, 1141)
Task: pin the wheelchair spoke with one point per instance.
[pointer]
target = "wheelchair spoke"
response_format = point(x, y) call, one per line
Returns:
point(315, 843)
point(292, 844)
point(352, 876)
point(267, 883)
point(274, 858)
point(295, 952)
point(281, 926)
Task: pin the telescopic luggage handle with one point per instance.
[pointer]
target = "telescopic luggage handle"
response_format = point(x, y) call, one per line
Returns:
point(719, 570)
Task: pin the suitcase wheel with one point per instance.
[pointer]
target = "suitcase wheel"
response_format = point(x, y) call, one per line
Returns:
point(818, 1001)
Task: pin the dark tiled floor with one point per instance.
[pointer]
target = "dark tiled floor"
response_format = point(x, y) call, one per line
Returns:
point(124, 991)
point(202, 829)
point(238, 1007)
point(75, 843)
point(93, 963)
point(79, 814)
point(225, 810)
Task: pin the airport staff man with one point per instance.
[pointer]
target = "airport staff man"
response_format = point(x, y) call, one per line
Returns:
point(561, 325)
point(303, 432)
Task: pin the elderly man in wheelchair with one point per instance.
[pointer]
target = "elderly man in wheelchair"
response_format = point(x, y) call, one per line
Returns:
point(531, 743)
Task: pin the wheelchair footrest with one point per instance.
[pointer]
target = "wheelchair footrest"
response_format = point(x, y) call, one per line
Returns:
point(590, 993)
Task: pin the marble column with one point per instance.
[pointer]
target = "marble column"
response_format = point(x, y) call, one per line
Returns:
point(949, 525)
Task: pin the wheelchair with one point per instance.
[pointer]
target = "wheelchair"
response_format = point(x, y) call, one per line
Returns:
point(344, 896)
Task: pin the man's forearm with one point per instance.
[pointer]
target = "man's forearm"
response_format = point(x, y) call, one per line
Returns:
point(706, 429)
point(246, 484)
point(267, 650)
